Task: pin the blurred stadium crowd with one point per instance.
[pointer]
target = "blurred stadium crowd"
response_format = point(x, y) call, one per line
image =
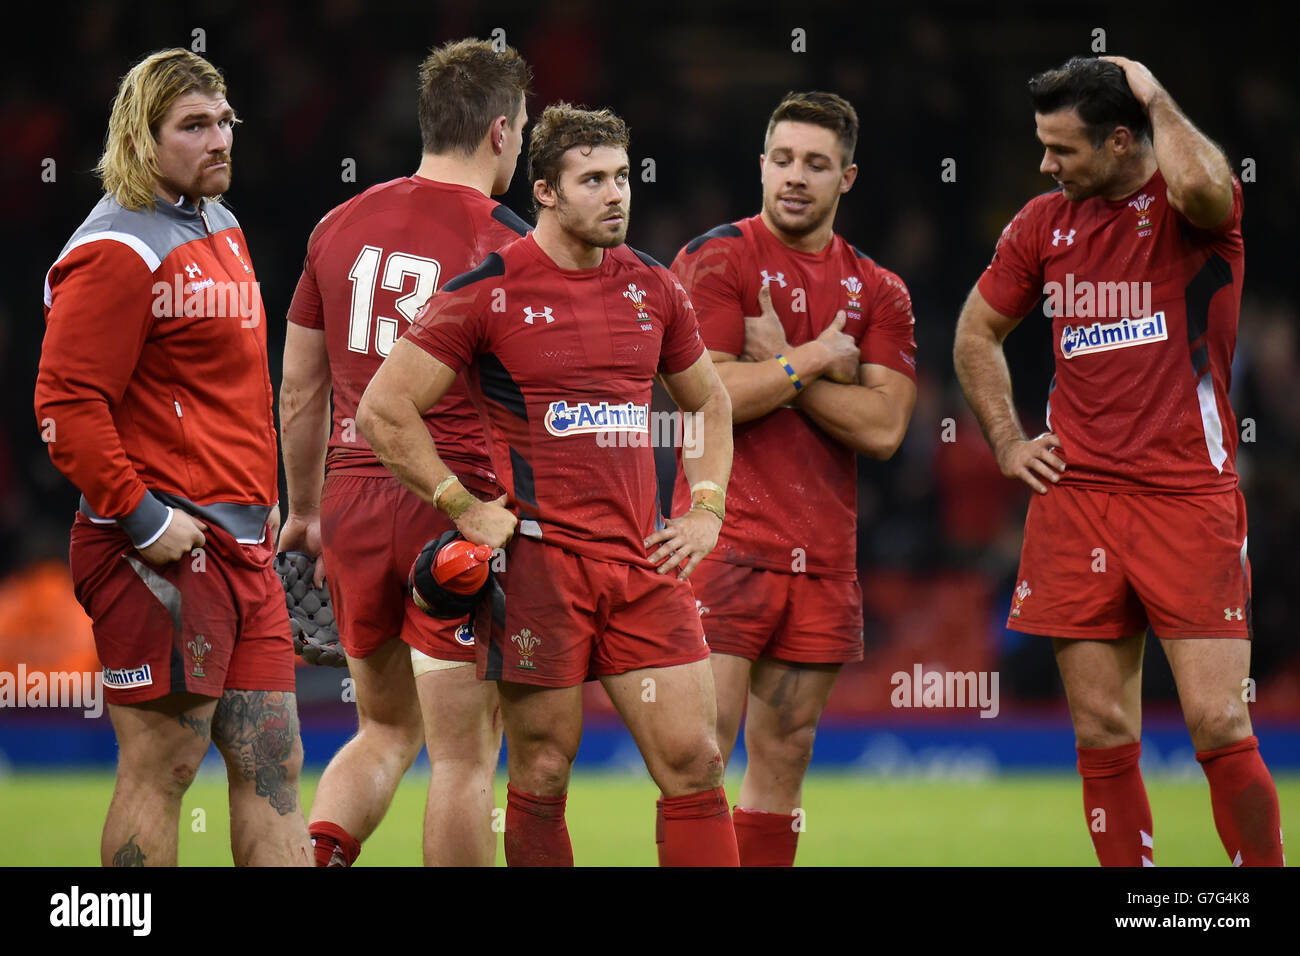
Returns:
point(940, 528)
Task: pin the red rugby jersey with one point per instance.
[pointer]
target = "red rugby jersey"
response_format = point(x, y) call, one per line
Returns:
point(561, 363)
point(792, 503)
point(372, 263)
point(1144, 322)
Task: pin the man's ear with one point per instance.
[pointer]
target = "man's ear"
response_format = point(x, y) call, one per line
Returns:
point(850, 176)
point(1121, 140)
point(497, 134)
point(544, 194)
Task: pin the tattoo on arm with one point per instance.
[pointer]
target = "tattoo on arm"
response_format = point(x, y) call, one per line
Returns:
point(202, 726)
point(129, 853)
point(257, 729)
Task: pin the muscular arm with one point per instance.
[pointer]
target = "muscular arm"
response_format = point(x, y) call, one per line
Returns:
point(1196, 171)
point(982, 371)
point(700, 390)
point(756, 388)
point(305, 416)
point(870, 417)
point(391, 416)
point(686, 540)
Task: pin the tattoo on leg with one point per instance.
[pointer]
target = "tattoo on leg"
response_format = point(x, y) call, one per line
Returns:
point(258, 728)
point(787, 686)
point(202, 726)
point(129, 853)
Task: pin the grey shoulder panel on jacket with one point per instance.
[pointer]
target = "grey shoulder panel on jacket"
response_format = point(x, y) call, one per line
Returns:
point(153, 232)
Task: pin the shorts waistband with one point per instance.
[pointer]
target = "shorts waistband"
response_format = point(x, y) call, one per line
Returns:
point(245, 523)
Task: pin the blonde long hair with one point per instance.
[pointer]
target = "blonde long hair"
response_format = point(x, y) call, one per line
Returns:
point(129, 166)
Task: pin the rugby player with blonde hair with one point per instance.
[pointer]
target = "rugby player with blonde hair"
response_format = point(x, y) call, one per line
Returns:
point(153, 386)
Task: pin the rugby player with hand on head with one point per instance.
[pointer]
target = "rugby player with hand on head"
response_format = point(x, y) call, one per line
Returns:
point(1137, 465)
point(154, 385)
point(371, 264)
point(563, 333)
point(813, 341)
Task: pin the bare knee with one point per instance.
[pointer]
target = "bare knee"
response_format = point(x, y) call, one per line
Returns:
point(1213, 726)
point(784, 751)
point(688, 765)
point(166, 764)
point(402, 737)
point(1103, 723)
point(169, 775)
point(541, 768)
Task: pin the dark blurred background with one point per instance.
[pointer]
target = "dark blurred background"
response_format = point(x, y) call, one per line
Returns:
point(940, 529)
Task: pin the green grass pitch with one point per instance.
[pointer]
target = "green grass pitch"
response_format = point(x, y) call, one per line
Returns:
point(54, 819)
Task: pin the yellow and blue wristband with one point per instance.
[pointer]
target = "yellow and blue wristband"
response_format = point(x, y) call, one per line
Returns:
point(789, 370)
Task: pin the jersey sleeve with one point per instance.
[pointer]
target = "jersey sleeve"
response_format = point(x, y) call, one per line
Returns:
point(888, 339)
point(711, 279)
point(306, 309)
point(1013, 281)
point(682, 344)
point(97, 324)
point(451, 326)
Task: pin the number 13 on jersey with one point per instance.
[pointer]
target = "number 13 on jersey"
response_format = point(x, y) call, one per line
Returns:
point(396, 269)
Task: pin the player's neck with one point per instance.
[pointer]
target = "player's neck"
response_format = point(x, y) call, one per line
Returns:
point(564, 248)
point(813, 242)
point(1134, 178)
point(457, 171)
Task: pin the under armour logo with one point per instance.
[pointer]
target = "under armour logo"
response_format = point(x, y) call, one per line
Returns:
point(529, 315)
point(1057, 236)
point(1232, 614)
point(779, 278)
point(192, 270)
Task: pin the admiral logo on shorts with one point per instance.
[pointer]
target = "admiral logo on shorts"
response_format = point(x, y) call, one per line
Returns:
point(585, 418)
point(128, 677)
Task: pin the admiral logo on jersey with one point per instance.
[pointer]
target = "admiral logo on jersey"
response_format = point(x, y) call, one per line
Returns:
point(585, 418)
point(1099, 337)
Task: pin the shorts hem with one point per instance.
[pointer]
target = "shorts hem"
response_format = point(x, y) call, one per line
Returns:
point(814, 657)
point(656, 665)
point(282, 684)
point(557, 683)
point(1184, 634)
point(1100, 633)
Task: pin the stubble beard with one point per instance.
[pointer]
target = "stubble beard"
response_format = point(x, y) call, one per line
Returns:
point(797, 228)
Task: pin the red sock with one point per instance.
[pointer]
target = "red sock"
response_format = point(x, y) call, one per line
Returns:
point(334, 846)
point(696, 830)
point(536, 834)
point(1115, 805)
point(1245, 803)
point(765, 839)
